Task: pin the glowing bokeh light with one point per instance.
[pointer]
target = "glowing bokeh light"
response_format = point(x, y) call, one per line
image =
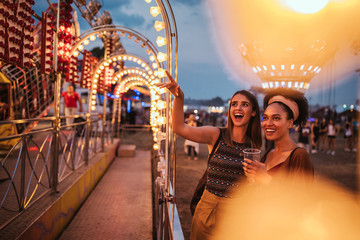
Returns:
point(306, 6)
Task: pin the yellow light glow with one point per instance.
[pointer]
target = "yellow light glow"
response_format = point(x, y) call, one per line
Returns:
point(306, 6)
point(161, 41)
point(92, 38)
point(159, 26)
point(76, 53)
point(154, 11)
point(86, 42)
point(148, 1)
point(162, 57)
point(161, 73)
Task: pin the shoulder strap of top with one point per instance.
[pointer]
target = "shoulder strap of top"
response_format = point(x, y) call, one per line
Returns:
point(291, 154)
point(216, 144)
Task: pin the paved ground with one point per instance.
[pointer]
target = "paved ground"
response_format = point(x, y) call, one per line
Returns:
point(120, 206)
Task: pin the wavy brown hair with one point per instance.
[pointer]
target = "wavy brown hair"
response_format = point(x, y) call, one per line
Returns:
point(253, 131)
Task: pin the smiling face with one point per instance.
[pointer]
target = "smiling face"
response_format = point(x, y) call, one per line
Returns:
point(241, 111)
point(275, 122)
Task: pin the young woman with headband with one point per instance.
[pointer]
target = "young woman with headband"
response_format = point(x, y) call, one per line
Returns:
point(225, 168)
point(284, 108)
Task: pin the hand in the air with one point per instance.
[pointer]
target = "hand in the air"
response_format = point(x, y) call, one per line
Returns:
point(172, 86)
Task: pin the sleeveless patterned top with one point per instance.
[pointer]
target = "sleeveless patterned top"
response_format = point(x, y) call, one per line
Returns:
point(225, 168)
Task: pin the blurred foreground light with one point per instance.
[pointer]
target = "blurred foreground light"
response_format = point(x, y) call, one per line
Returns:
point(290, 209)
point(306, 6)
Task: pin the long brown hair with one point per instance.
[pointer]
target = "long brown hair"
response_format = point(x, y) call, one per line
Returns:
point(253, 131)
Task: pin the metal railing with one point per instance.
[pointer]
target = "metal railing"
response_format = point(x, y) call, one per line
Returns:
point(27, 159)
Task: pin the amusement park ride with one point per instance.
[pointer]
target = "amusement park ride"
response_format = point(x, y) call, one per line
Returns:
point(36, 60)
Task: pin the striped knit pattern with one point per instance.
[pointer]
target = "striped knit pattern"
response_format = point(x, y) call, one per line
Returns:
point(225, 168)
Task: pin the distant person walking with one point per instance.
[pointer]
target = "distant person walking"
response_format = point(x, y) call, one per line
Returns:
point(332, 131)
point(322, 134)
point(71, 98)
point(304, 136)
point(191, 148)
point(348, 135)
point(315, 134)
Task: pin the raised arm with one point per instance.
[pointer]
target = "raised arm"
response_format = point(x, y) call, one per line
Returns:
point(206, 134)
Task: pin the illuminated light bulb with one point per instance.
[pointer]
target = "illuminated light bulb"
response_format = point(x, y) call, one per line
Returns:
point(162, 57)
point(258, 68)
point(289, 84)
point(263, 85)
point(302, 67)
point(139, 62)
point(273, 67)
point(292, 66)
point(161, 105)
point(94, 91)
point(154, 65)
point(143, 65)
point(101, 67)
point(148, 1)
point(92, 38)
point(93, 108)
point(119, 58)
point(254, 69)
point(282, 66)
point(98, 71)
point(265, 68)
point(156, 146)
point(161, 120)
point(159, 25)
point(80, 47)
point(93, 97)
point(161, 73)
point(86, 42)
point(61, 44)
point(161, 41)
point(93, 102)
point(76, 53)
point(155, 11)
